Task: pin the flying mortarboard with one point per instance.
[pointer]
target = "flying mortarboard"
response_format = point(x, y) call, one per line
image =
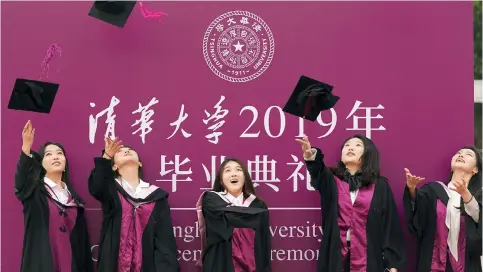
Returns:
point(112, 12)
point(33, 95)
point(309, 98)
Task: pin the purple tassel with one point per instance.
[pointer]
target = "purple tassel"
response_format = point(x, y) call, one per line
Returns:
point(147, 14)
point(53, 48)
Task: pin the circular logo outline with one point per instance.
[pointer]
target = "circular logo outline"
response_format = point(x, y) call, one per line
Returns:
point(267, 62)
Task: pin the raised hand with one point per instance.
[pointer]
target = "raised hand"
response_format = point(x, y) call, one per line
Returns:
point(28, 134)
point(459, 186)
point(111, 147)
point(305, 145)
point(411, 180)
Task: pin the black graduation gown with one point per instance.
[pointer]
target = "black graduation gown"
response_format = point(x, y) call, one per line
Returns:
point(159, 250)
point(385, 240)
point(220, 222)
point(422, 223)
point(36, 252)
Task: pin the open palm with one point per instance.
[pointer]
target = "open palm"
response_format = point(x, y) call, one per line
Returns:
point(412, 180)
point(305, 145)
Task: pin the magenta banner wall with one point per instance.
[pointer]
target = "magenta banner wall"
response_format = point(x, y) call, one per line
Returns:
point(403, 72)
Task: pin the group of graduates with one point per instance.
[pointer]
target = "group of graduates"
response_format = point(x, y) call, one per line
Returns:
point(361, 226)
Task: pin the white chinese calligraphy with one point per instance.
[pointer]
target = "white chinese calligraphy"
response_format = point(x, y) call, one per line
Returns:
point(296, 175)
point(219, 114)
point(175, 171)
point(144, 121)
point(368, 118)
point(216, 118)
point(110, 120)
point(182, 116)
point(263, 167)
point(210, 173)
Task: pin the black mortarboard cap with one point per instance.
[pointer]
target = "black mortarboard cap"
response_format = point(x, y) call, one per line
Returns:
point(33, 95)
point(309, 98)
point(242, 210)
point(112, 12)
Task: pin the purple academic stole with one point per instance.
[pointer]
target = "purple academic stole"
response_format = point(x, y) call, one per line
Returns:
point(354, 217)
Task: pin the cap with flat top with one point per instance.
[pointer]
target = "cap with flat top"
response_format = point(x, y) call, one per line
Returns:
point(33, 95)
point(112, 12)
point(309, 98)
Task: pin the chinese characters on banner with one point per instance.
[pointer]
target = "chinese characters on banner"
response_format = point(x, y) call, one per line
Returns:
point(214, 121)
point(262, 168)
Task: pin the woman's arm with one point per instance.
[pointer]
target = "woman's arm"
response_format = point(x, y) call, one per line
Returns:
point(321, 178)
point(223, 217)
point(27, 175)
point(416, 203)
point(28, 167)
point(100, 178)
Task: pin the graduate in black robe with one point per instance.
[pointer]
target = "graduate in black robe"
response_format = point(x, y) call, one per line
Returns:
point(234, 223)
point(56, 237)
point(447, 218)
point(360, 222)
point(137, 233)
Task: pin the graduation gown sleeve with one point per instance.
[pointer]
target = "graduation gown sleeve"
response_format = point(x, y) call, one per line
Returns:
point(233, 216)
point(101, 178)
point(26, 176)
point(393, 244)
point(417, 211)
point(165, 249)
point(322, 178)
point(323, 181)
point(247, 217)
point(221, 219)
point(474, 232)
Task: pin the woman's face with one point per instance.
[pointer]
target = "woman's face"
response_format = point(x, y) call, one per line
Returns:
point(352, 152)
point(233, 177)
point(125, 156)
point(464, 160)
point(54, 159)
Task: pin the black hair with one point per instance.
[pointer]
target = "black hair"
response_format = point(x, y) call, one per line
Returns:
point(370, 169)
point(65, 173)
point(475, 184)
point(248, 187)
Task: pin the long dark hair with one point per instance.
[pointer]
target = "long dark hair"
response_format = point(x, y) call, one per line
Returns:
point(140, 171)
point(248, 187)
point(370, 169)
point(475, 184)
point(65, 174)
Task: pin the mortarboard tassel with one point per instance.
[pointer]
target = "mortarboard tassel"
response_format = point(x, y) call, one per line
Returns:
point(147, 14)
point(51, 50)
point(309, 104)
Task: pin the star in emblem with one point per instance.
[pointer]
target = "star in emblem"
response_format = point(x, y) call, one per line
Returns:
point(238, 46)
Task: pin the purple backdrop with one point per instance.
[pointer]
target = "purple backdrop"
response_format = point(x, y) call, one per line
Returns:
point(410, 62)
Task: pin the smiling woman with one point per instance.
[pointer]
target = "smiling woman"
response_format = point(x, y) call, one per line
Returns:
point(448, 216)
point(42, 185)
point(234, 223)
point(358, 208)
